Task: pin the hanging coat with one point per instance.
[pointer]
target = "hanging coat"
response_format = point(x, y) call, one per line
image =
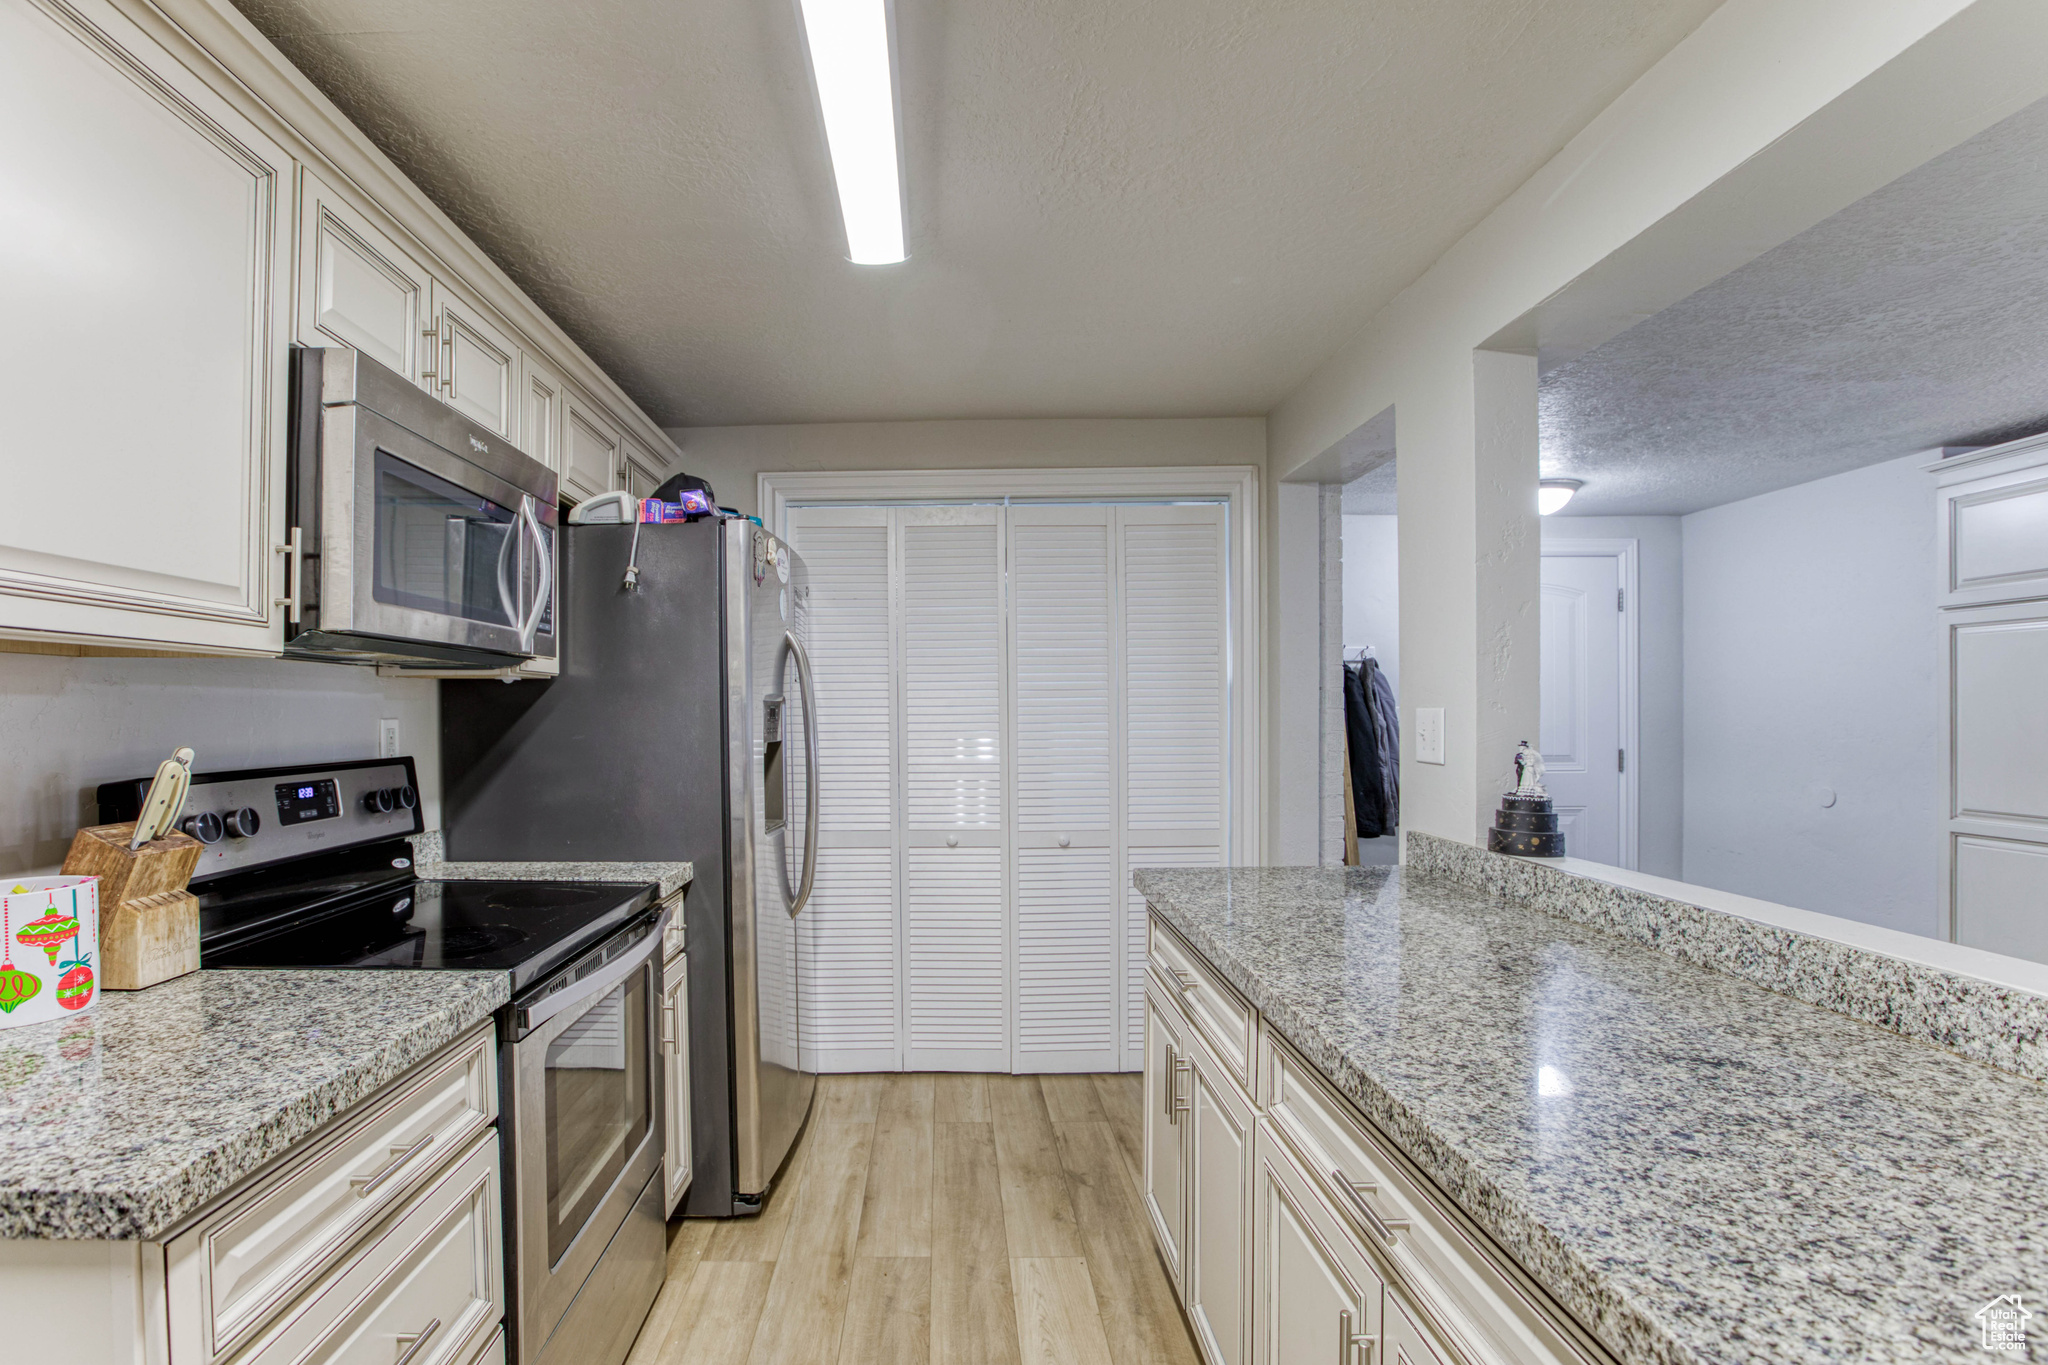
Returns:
point(1362, 739)
point(1386, 720)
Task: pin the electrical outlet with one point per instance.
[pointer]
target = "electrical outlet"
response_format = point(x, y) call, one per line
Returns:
point(388, 745)
point(1429, 734)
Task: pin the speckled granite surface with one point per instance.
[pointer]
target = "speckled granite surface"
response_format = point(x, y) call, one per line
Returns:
point(1980, 1019)
point(1697, 1168)
point(428, 862)
point(118, 1123)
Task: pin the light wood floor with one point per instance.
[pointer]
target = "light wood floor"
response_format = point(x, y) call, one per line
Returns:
point(949, 1219)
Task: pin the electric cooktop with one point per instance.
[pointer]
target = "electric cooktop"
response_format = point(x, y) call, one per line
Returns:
point(309, 867)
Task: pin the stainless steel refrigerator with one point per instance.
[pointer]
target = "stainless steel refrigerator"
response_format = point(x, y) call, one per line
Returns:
point(683, 726)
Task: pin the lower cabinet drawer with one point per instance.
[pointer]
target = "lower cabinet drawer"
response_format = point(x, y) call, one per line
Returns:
point(425, 1289)
point(1222, 1015)
point(230, 1273)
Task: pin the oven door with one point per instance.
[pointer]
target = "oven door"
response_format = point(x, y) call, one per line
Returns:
point(586, 1134)
point(421, 548)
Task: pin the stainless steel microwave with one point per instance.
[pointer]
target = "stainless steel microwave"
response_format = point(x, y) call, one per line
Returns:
point(415, 535)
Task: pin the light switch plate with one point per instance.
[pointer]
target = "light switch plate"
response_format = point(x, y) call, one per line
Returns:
point(388, 745)
point(1429, 734)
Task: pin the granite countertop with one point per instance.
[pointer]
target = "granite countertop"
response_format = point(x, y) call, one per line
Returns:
point(1697, 1168)
point(118, 1123)
point(429, 864)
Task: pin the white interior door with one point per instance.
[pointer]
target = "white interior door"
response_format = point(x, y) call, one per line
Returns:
point(951, 702)
point(851, 942)
point(1581, 725)
point(1017, 706)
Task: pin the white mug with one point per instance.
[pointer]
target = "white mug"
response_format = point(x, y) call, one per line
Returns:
point(49, 955)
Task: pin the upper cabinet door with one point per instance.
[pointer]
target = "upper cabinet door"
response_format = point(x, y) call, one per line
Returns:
point(358, 287)
point(479, 365)
point(590, 449)
point(146, 329)
point(540, 425)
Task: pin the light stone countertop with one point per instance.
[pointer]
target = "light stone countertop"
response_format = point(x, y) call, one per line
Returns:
point(1696, 1167)
point(118, 1123)
point(429, 864)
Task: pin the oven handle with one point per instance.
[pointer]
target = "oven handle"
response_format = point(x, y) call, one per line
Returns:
point(598, 982)
point(531, 625)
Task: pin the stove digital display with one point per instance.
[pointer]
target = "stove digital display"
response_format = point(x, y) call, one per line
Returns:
point(298, 802)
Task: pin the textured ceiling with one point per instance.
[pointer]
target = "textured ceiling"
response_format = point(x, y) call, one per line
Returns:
point(1127, 209)
point(1916, 317)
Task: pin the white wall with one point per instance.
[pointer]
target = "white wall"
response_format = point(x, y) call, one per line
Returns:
point(730, 458)
point(1660, 610)
point(69, 724)
point(1771, 116)
point(1372, 591)
point(1811, 661)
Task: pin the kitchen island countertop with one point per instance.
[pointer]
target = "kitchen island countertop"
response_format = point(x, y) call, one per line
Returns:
point(1697, 1168)
point(118, 1123)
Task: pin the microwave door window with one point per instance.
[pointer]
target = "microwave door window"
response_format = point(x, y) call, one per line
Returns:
point(442, 549)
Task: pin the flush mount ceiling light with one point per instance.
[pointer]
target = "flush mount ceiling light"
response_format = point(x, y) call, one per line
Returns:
point(1553, 494)
point(852, 49)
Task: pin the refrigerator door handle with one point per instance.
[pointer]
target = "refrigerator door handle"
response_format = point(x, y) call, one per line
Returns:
point(803, 674)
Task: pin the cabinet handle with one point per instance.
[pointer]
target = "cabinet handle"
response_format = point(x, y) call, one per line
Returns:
point(1172, 1083)
point(366, 1185)
point(294, 551)
point(1185, 978)
point(1180, 1102)
point(433, 355)
point(417, 1339)
point(1383, 1228)
point(1349, 1343)
point(668, 1025)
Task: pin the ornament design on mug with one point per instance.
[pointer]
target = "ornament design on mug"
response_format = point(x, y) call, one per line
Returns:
point(16, 985)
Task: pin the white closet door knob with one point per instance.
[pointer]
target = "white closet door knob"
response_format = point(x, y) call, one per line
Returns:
point(952, 841)
point(1064, 841)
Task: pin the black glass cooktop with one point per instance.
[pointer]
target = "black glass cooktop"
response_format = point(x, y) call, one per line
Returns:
point(524, 928)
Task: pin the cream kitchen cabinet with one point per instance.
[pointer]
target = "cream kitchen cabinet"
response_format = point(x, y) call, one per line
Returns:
point(477, 370)
point(1165, 1156)
point(1294, 1231)
point(592, 447)
point(1316, 1295)
point(1198, 1151)
point(358, 286)
point(675, 1055)
point(540, 422)
point(148, 306)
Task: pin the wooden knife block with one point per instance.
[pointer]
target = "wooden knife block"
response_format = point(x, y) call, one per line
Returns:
point(149, 922)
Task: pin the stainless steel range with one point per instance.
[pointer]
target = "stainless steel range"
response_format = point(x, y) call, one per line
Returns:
point(310, 867)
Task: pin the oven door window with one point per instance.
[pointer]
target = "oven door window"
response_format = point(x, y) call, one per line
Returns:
point(443, 549)
point(600, 1106)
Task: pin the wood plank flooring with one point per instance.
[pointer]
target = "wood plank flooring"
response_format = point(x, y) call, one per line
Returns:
point(935, 1220)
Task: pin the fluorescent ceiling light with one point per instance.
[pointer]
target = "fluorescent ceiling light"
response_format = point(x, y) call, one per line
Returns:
point(1553, 494)
point(850, 61)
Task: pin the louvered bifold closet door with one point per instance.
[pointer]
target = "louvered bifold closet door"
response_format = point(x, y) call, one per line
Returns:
point(1065, 777)
point(953, 666)
point(1173, 569)
point(851, 948)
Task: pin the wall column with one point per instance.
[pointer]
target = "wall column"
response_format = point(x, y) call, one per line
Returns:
point(1509, 544)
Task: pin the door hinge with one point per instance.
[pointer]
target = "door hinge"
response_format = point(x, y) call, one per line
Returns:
point(1621, 599)
point(1621, 760)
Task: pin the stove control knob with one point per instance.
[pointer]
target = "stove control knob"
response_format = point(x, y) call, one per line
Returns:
point(406, 797)
point(378, 802)
point(205, 827)
point(244, 823)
